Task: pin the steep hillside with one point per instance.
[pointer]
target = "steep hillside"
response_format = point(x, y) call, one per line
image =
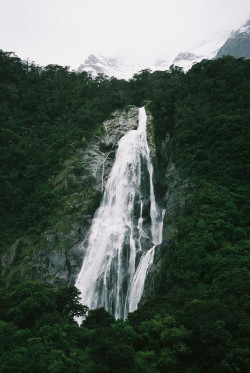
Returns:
point(46, 115)
point(55, 255)
point(238, 44)
point(194, 314)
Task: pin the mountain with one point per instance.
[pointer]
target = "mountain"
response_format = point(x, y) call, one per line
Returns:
point(238, 44)
point(61, 137)
point(204, 51)
point(110, 66)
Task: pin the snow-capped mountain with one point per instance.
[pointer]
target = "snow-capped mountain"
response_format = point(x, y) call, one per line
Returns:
point(238, 44)
point(112, 67)
point(205, 50)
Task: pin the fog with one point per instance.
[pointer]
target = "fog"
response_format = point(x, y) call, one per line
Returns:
point(138, 31)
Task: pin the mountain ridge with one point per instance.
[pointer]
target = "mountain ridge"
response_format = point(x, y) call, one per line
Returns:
point(237, 45)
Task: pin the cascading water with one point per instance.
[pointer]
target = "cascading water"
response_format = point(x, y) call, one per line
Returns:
point(115, 264)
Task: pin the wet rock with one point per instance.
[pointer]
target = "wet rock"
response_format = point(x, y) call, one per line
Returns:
point(56, 255)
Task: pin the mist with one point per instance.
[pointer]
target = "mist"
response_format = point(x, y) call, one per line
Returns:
point(137, 31)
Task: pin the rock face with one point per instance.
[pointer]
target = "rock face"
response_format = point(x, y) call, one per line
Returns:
point(185, 56)
point(56, 255)
point(177, 191)
point(237, 45)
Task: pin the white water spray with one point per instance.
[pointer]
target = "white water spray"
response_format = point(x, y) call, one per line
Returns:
point(115, 264)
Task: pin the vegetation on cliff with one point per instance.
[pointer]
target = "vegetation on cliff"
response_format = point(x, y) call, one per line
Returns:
point(198, 319)
point(44, 115)
point(204, 276)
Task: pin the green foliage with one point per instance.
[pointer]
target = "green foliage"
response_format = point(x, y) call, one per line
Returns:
point(98, 318)
point(44, 114)
point(204, 276)
point(30, 340)
point(27, 301)
point(205, 271)
point(111, 348)
point(68, 302)
point(198, 320)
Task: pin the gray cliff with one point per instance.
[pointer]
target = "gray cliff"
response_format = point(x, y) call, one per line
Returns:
point(238, 44)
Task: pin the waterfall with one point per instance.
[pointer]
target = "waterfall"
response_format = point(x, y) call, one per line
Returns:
point(120, 246)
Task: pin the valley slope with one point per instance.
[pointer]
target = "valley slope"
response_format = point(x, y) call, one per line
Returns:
point(193, 316)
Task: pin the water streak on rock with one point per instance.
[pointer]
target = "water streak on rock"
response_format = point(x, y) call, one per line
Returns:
point(125, 230)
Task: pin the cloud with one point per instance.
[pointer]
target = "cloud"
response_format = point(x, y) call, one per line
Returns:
point(66, 31)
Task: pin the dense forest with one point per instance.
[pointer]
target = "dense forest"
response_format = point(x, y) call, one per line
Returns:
point(197, 320)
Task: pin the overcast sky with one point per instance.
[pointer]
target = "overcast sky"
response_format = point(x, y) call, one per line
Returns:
point(65, 31)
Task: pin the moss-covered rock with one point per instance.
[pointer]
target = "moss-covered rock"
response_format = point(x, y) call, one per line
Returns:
point(55, 256)
point(175, 190)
